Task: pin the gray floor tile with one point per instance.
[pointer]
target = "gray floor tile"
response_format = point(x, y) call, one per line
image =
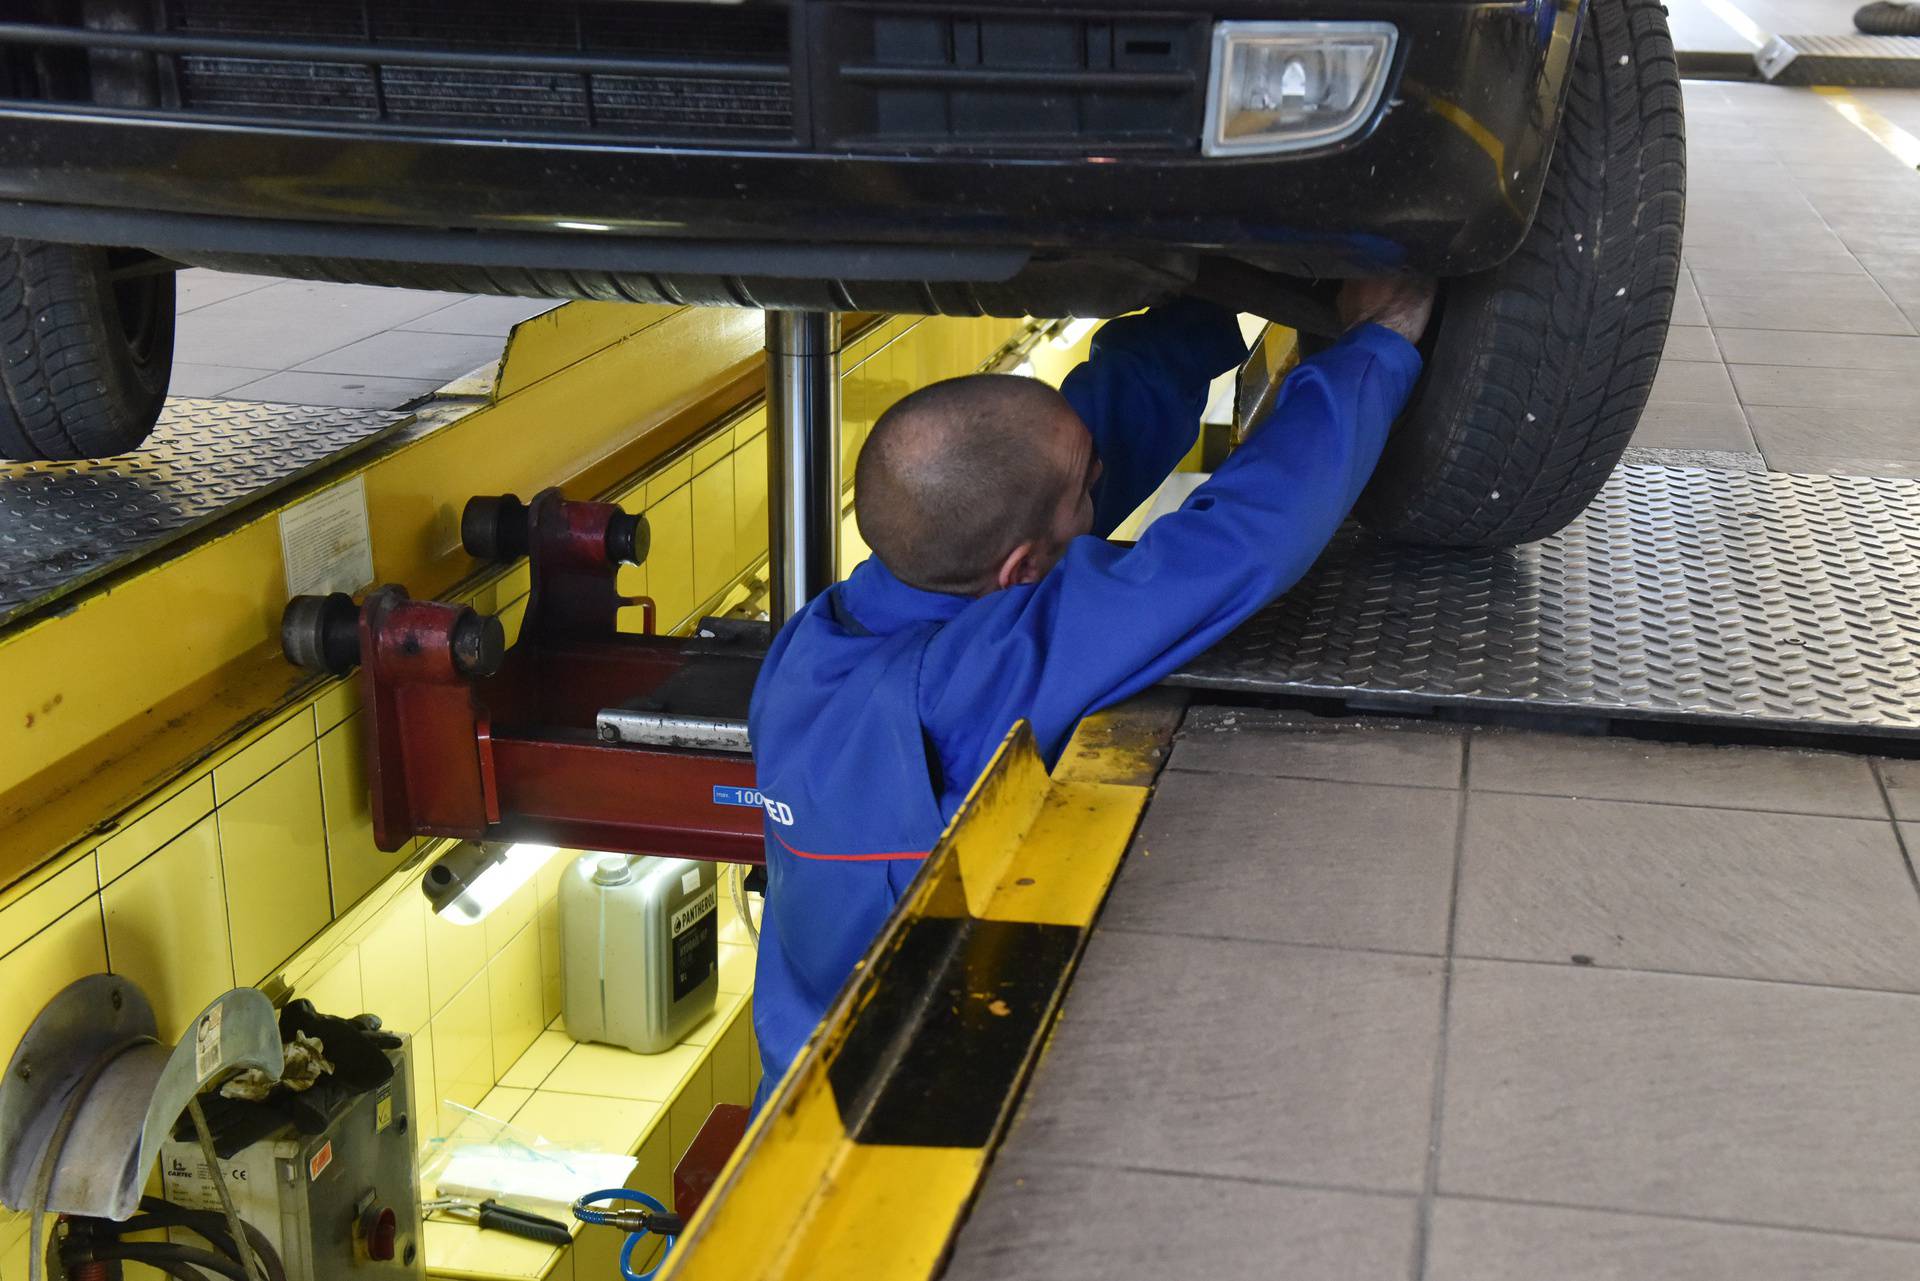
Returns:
point(1692, 382)
point(1252, 740)
point(1739, 256)
point(1291, 861)
point(350, 391)
point(1690, 342)
point(209, 380)
point(1626, 769)
point(1679, 425)
point(1784, 431)
point(1805, 286)
point(1496, 1241)
point(1829, 351)
point(1816, 315)
point(1851, 390)
point(1793, 462)
point(1257, 1060)
point(407, 353)
point(1902, 779)
point(1696, 891)
point(1073, 1223)
point(196, 287)
point(1686, 306)
point(283, 324)
point(1711, 1098)
point(493, 317)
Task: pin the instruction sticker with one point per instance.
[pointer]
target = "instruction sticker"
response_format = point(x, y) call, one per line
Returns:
point(206, 1043)
point(319, 1161)
point(690, 881)
point(745, 797)
point(383, 1110)
point(326, 544)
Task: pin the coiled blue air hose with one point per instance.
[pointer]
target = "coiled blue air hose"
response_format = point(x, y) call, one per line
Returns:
point(638, 1224)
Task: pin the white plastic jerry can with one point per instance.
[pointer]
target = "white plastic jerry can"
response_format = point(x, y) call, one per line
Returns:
point(639, 948)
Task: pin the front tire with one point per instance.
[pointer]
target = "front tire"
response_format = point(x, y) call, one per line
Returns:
point(1539, 369)
point(85, 351)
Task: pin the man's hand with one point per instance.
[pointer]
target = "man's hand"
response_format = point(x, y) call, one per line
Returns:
point(1403, 304)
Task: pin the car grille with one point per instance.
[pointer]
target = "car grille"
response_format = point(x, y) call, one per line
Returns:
point(647, 72)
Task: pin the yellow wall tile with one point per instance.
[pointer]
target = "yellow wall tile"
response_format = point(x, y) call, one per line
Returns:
point(455, 953)
point(669, 477)
point(614, 1073)
point(243, 766)
point(167, 927)
point(337, 702)
point(513, 986)
point(750, 501)
point(14, 1242)
point(33, 973)
point(689, 1109)
point(531, 1069)
point(337, 989)
point(156, 824)
point(502, 1101)
point(728, 1063)
point(548, 922)
point(513, 915)
point(754, 424)
point(546, 881)
point(463, 1051)
point(46, 896)
point(456, 1249)
point(712, 449)
point(355, 864)
point(273, 849)
point(753, 1055)
point(736, 967)
point(714, 562)
point(511, 615)
point(425, 1086)
point(602, 1124)
point(670, 562)
point(393, 964)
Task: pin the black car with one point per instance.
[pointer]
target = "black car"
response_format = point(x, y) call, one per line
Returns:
point(875, 155)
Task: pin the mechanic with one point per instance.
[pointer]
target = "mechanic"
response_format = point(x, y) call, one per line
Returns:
point(985, 600)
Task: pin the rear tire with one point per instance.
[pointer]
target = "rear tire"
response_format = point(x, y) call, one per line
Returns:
point(1539, 369)
point(84, 359)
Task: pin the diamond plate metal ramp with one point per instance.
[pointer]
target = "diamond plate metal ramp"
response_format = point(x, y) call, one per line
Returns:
point(1731, 597)
point(63, 525)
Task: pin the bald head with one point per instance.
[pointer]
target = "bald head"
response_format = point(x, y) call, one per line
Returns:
point(961, 474)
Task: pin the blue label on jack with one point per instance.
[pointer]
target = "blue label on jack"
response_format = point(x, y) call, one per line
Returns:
point(743, 796)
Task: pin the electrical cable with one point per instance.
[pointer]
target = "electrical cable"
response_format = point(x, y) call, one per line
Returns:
point(159, 1212)
point(155, 1252)
point(251, 1269)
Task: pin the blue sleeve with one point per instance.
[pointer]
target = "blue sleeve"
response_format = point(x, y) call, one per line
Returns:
point(1141, 392)
point(1110, 620)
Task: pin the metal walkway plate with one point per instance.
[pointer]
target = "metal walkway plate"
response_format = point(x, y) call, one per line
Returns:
point(1731, 597)
point(1848, 61)
point(63, 525)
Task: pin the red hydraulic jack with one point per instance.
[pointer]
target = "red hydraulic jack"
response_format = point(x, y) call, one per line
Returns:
point(579, 735)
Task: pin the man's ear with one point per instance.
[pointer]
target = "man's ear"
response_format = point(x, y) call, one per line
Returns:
point(1019, 567)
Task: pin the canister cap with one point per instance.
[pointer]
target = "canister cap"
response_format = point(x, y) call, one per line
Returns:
point(615, 869)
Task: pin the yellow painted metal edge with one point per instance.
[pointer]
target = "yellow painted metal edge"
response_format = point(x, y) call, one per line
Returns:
point(801, 1197)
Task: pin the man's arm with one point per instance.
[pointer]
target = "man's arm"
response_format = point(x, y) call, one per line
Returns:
point(1109, 621)
point(1141, 392)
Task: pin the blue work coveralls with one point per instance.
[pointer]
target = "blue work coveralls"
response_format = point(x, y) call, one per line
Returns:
point(879, 703)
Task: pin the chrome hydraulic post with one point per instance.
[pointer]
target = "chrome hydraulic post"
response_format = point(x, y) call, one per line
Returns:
point(803, 458)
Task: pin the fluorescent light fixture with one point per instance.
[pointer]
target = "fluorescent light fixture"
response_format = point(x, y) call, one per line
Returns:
point(1288, 86)
point(583, 226)
point(472, 879)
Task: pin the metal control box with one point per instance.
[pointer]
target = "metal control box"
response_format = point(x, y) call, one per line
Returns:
point(342, 1204)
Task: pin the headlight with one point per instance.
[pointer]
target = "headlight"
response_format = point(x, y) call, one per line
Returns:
point(1284, 86)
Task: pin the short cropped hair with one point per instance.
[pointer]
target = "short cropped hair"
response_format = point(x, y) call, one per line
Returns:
point(956, 475)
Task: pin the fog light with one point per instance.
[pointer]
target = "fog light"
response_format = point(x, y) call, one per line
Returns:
point(1285, 86)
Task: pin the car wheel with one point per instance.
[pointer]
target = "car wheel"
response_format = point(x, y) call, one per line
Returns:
point(86, 349)
point(1538, 370)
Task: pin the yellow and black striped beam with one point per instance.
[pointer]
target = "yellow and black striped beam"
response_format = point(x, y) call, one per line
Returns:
point(864, 1162)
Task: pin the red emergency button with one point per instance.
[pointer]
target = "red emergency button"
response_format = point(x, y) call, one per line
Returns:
point(380, 1229)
